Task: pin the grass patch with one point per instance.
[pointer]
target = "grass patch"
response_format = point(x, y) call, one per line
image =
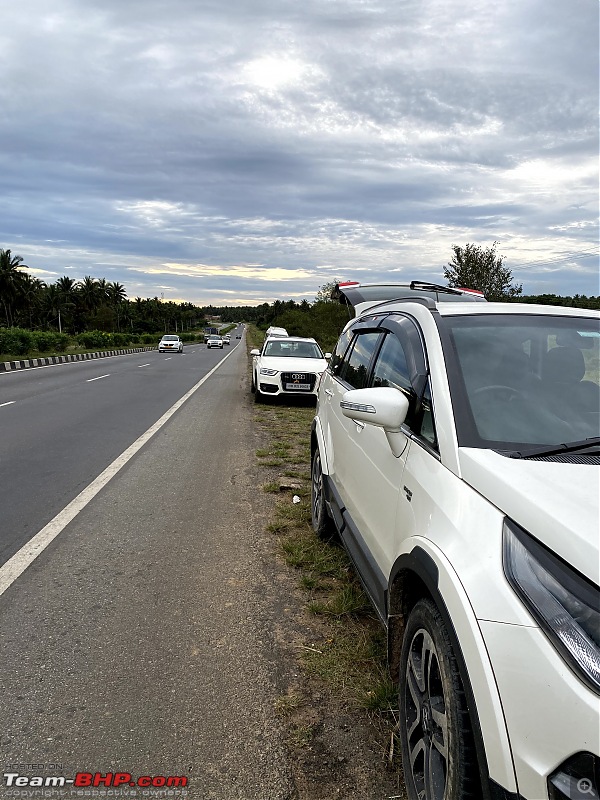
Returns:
point(272, 488)
point(350, 657)
point(348, 599)
point(287, 704)
point(301, 735)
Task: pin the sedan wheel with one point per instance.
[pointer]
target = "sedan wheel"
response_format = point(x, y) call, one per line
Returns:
point(437, 742)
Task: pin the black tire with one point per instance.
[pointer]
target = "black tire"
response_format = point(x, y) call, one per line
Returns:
point(321, 521)
point(258, 398)
point(438, 753)
point(253, 384)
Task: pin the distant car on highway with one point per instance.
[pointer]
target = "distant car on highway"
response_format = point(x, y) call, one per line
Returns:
point(170, 344)
point(227, 339)
point(214, 341)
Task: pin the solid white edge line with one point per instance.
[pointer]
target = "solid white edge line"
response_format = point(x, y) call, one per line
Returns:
point(10, 402)
point(18, 563)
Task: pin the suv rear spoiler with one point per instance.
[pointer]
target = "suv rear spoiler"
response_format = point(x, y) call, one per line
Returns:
point(362, 296)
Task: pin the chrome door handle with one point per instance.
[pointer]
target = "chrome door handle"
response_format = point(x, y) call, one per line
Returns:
point(328, 392)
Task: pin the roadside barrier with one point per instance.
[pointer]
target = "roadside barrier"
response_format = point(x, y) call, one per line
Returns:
point(29, 363)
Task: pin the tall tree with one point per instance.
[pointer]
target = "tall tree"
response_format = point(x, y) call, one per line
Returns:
point(476, 267)
point(11, 282)
point(116, 295)
point(324, 293)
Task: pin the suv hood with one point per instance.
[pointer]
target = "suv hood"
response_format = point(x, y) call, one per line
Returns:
point(556, 503)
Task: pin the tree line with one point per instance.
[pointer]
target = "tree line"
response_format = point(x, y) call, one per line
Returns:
point(96, 304)
point(73, 307)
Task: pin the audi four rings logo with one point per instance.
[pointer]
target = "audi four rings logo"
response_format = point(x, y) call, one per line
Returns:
point(297, 376)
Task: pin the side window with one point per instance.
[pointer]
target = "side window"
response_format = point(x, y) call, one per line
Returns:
point(391, 369)
point(337, 357)
point(355, 369)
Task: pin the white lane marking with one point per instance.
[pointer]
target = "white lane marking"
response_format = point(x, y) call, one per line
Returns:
point(16, 565)
point(10, 402)
point(168, 359)
point(143, 365)
point(99, 378)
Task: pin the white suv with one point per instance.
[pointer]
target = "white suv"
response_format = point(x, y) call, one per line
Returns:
point(455, 450)
point(287, 366)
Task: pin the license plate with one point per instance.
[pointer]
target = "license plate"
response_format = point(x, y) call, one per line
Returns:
point(303, 386)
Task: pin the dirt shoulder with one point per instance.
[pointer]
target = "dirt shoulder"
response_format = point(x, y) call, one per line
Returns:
point(328, 645)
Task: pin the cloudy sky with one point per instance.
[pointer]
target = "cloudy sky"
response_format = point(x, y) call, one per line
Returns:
point(243, 151)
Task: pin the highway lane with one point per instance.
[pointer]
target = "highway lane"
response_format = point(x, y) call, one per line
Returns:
point(60, 426)
point(145, 638)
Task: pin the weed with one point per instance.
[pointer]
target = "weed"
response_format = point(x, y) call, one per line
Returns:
point(287, 704)
point(272, 487)
point(349, 599)
point(301, 735)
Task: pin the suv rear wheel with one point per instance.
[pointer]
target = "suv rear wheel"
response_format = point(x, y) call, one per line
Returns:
point(321, 521)
point(435, 733)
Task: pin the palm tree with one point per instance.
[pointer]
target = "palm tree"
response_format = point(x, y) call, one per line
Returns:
point(11, 281)
point(116, 296)
point(67, 288)
point(89, 293)
point(30, 295)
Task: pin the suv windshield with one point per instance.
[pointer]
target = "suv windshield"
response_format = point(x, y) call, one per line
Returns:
point(525, 380)
point(170, 338)
point(290, 349)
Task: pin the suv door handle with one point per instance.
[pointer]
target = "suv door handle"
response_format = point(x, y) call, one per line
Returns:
point(328, 392)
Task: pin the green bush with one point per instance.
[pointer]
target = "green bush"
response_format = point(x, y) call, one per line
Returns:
point(150, 338)
point(100, 339)
point(15, 341)
point(49, 341)
point(61, 342)
point(121, 339)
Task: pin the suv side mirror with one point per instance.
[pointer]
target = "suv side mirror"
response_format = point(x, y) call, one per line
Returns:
point(383, 407)
point(255, 352)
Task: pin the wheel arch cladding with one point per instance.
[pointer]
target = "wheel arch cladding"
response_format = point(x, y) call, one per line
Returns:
point(416, 575)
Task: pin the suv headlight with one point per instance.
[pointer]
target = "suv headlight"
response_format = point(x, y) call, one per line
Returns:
point(566, 604)
point(265, 371)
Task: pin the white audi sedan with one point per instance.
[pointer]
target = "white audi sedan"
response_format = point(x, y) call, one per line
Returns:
point(290, 366)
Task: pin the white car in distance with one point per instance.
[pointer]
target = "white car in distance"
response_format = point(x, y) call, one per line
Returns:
point(170, 344)
point(287, 366)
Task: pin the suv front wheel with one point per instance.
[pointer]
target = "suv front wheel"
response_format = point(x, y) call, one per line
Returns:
point(435, 733)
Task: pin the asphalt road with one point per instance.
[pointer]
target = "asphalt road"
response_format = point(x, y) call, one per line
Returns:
point(141, 639)
point(60, 426)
